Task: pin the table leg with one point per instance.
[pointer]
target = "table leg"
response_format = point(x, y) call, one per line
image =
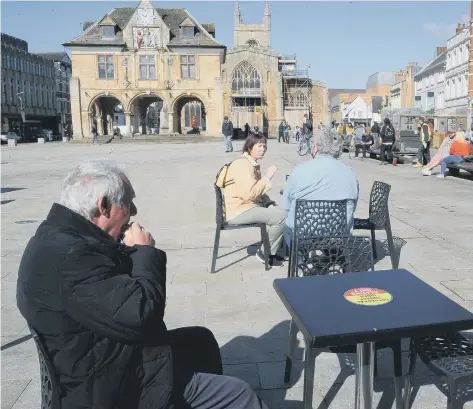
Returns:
point(290, 351)
point(308, 376)
point(364, 375)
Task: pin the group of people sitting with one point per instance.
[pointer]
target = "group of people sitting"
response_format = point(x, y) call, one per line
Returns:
point(323, 178)
point(453, 149)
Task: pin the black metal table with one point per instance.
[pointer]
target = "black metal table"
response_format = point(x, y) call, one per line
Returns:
point(364, 308)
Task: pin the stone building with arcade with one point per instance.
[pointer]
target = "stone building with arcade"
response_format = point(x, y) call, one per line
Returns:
point(154, 70)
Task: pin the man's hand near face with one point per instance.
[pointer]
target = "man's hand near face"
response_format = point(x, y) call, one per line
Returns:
point(136, 236)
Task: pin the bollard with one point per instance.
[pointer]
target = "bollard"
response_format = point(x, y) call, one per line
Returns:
point(12, 142)
point(41, 140)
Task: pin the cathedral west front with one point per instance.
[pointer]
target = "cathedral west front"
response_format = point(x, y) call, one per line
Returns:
point(149, 70)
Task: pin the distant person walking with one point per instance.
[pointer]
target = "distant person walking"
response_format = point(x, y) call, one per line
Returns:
point(307, 125)
point(375, 131)
point(95, 136)
point(388, 136)
point(227, 132)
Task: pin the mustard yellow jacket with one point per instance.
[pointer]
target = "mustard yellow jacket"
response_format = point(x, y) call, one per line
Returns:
point(244, 187)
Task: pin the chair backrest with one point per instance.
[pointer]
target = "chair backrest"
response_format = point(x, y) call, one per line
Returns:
point(320, 218)
point(378, 207)
point(333, 255)
point(219, 214)
point(49, 387)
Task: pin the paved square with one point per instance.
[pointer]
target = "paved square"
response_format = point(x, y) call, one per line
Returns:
point(176, 203)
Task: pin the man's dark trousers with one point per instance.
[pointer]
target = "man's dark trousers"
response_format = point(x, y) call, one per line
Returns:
point(199, 383)
point(423, 154)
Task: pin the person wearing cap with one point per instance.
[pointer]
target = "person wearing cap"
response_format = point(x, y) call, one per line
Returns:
point(227, 132)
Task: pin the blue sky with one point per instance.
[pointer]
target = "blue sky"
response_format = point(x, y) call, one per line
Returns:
point(342, 42)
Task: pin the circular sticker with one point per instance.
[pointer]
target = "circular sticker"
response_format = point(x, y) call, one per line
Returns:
point(368, 296)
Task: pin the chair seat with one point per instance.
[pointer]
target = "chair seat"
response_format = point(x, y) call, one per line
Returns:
point(363, 224)
point(449, 355)
point(227, 226)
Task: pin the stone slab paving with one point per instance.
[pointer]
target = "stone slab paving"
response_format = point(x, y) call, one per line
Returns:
point(176, 203)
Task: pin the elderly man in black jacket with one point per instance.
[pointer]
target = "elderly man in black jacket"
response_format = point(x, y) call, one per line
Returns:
point(98, 306)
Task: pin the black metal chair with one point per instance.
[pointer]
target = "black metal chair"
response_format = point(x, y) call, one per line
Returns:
point(223, 225)
point(379, 218)
point(335, 255)
point(49, 388)
point(316, 218)
point(448, 356)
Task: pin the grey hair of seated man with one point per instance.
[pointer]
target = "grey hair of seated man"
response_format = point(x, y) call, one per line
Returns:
point(327, 141)
point(91, 181)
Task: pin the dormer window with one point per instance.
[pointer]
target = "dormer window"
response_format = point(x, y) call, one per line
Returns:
point(188, 32)
point(107, 31)
point(188, 28)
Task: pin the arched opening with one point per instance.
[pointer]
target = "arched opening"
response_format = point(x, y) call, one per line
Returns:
point(103, 114)
point(247, 97)
point(190, 115)
point(148, 116)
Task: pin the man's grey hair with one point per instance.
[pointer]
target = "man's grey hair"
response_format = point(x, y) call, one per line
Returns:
point(91, 181)
point(328, 141)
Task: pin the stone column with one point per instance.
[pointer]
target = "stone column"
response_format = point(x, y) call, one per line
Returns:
point(99, 124)
point(163, 119)
point(128, 123)
point(171, 125)
point(136, 119)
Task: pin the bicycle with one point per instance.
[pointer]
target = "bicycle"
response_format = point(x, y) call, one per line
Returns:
point(305, 145)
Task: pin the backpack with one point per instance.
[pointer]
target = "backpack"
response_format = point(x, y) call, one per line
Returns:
point(389, 132)
point(221, 177)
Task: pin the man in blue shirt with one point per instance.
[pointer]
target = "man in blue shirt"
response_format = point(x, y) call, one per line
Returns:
point(323, 178)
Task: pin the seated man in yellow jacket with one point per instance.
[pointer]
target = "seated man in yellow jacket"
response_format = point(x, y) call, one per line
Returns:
point(245, 196)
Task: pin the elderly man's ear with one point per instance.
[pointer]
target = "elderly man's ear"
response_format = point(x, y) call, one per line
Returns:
point(104, 206)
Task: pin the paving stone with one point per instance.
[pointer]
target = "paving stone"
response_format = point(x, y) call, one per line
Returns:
point(247, 372)
point(238, 303)
point(11, 391)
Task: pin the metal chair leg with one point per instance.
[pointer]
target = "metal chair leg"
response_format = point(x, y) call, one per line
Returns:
point(215, 252)
point(308, 376)
point(454, 400)
point(389, 234)
point(290, 351)
point(410, 373)
point(267, 249)
point(373, 244)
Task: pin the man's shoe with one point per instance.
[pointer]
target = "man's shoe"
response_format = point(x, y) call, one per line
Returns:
point(426, 172)
point(418, 165)
point(440, 176)
point(276, 261)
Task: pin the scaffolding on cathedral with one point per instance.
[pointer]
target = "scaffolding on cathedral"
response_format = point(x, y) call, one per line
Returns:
point(297, 95)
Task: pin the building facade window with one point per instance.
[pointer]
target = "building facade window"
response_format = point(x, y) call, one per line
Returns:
point(245, 76)
point(4, 90)
point(12, 92)
point(187, 63)
point(192, 109)
point(147, 67)
point(105, 67)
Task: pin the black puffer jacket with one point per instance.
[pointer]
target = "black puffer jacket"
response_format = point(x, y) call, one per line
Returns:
point(99, 308)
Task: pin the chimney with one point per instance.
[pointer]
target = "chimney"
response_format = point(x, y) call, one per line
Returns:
point(87, 24)
point(441, 50)
point(459, 28)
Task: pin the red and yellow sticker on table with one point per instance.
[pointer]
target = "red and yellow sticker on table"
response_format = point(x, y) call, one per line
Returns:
point(368, 296)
